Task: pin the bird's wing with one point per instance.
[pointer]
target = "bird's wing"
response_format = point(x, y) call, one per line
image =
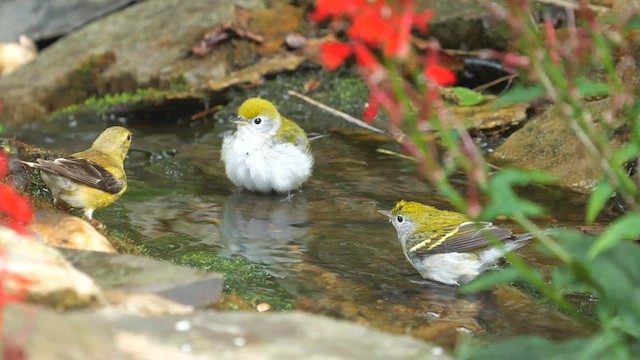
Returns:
point(290, 132)
point(467, 236)
point(83, 171)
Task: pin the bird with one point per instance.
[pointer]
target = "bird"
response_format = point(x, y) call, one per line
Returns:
point(89, 179)
point(268, 152)
point(445, 246)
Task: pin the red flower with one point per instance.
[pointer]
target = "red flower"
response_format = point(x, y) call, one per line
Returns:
point(4, 164)
point(365, 58)
point(372, 109)
point(370, 27)
point(399, 34)
point(334, 53)
point(421, 20)
point(15, 206)
point(327, 8)
point(440, 75)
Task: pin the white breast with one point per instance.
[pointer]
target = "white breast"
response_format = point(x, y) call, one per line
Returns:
point(254, 163)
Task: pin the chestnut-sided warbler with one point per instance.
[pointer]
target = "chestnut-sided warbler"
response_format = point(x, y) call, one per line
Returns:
point(90, 179)
point(268, 152)
point(445, 246)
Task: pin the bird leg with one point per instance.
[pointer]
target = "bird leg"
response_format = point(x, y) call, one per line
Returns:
point(288, 198)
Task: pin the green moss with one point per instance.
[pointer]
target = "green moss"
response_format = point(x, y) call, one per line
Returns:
point(123, 243)
point(102, 105)
point(179, 82)
point(241, 275)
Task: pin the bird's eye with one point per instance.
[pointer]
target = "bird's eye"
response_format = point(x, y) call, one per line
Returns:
point(257, 121)
point(400, 218)
point(129, 137)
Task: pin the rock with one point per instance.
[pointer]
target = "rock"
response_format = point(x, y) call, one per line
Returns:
point(51, 279)
point(291, 335)
point(58, 229)
point(40, 333)
point(42, 19)
point(148, 45)
point(465, 25)
point(138, 274)
point(142, 304)
point(144, 45)
point(548, 143)
point(37, 334)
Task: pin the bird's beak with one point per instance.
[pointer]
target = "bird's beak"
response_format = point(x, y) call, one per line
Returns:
point(241, 122)
point(386, 213)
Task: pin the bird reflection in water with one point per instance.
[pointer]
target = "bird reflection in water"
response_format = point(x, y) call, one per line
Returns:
point(265, 229)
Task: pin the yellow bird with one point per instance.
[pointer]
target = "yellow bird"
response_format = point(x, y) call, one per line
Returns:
point(90, 179)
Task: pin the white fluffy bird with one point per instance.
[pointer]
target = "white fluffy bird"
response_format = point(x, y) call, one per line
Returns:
point(268, 152)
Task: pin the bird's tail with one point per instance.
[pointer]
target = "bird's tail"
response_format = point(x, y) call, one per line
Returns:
point(489, 257)
point(31, 164)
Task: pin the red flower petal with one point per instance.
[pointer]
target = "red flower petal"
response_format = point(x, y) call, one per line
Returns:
point(399, 36)
point(365, 58)
point(326, 8)
point(16, 207)
point(440, 75)
point(372, 109)
point(370, 27)
point(4, 164)
point(421, 20)
point(334, 53)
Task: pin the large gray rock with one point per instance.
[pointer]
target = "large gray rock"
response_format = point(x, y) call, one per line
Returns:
point(39, 333)
point(91, 334)
point(294, 335)
point(138, 274)
point(46, 19)
point(144, 45)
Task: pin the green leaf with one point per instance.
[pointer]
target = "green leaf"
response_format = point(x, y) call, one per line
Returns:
point(626, 227)
point(599, 197)
point(626, 153)
point(467, 97)
point(504, 200)
point(529, 347)
point(491, 278)
point(592, 88)
point(520, 94)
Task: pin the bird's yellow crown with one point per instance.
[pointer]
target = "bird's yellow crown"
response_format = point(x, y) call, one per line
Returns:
point(427, 218)
point(253, 107)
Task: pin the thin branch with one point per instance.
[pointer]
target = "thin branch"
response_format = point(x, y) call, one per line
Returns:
point(336, 112)
point(396, 154)
point(508, 78)
point(205, 112)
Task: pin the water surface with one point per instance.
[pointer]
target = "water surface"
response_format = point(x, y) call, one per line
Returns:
point(328, 247)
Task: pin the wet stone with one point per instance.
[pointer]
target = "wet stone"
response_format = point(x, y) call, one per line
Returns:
point(37, 333)
point(137, 274)
point(293, 335)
